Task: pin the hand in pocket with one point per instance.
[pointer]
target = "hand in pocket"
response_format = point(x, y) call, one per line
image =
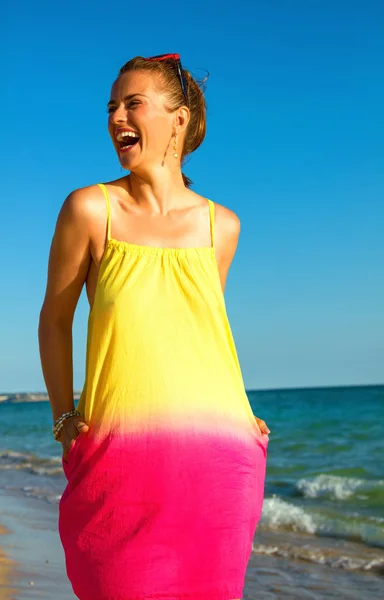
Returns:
point(72, 428)
point(262, 425)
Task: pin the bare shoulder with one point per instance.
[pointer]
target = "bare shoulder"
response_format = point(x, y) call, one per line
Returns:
point(227, 222)
point(70, 253)
point(227, 231)
point(84, 203)
point(84, 210)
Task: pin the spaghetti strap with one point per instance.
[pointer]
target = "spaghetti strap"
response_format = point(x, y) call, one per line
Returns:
point(106, 195)
point(212, 221)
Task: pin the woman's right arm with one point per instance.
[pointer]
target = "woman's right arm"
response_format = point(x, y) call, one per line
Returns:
point(69, 261)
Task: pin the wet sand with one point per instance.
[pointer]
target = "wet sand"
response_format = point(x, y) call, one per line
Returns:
point(7, 572)
point(273, 577)
point(33, 558)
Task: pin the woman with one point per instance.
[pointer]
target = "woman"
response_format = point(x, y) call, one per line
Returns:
point(164, 459)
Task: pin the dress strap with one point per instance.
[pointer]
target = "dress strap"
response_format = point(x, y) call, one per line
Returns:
point(212, 220)
point(106, 195)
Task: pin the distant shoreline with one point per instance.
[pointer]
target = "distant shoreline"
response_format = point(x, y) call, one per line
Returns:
point(22, 397)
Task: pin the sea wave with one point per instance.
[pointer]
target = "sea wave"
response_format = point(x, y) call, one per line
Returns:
point(10, 459)
point(41, 494)
point(333, 557)
point(279, 514)
point(337, 487)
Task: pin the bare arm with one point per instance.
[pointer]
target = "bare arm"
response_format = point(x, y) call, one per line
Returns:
point(228, 225)
point(68, 265)
point(228, 231)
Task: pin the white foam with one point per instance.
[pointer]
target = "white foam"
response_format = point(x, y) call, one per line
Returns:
point(335, 558)
point(334, 486)
point(278, 514)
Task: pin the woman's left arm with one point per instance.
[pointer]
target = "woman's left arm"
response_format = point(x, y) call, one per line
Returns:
point(227, 229)
point(227, 238)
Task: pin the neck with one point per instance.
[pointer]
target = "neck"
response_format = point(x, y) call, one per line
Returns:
point(158, 191)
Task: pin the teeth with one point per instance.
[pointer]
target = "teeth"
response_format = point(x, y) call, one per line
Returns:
point(124, 134)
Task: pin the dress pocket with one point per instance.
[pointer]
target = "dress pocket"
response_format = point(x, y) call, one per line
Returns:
point(262, 439)
point(260, 435)
point(67, 464)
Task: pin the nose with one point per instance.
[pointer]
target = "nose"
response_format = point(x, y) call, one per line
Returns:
point(119, 115)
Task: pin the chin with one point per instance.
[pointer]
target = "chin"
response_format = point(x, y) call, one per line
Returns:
point(127, 162)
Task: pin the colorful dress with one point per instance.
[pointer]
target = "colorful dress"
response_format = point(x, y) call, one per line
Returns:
point(165, 490)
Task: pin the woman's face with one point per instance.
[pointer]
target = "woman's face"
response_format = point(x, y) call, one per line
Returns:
point(140, 127)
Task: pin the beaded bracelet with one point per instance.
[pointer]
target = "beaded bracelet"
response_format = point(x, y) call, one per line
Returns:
point(59, 423)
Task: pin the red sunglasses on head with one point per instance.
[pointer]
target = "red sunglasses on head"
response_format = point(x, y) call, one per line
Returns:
point(177, 61)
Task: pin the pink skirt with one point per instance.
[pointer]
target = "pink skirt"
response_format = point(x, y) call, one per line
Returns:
point(161, 515)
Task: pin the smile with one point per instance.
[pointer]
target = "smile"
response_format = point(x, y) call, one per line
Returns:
point(127, 140)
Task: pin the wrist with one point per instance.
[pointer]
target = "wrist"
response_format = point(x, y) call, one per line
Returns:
point(59, 423)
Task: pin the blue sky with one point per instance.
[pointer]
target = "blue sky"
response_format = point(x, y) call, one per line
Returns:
point(294, 146)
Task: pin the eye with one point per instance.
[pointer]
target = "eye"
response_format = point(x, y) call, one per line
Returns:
point(131, 104)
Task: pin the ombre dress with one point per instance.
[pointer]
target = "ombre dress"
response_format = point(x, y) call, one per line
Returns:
point(166, 489)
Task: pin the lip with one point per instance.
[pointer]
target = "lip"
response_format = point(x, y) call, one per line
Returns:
point(126, 149)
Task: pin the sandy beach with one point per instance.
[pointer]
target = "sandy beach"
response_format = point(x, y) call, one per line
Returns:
point(31, 558)
point(7, 573)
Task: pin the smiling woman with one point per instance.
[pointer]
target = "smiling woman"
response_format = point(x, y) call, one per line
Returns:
point(164, 458)
point(177, 92)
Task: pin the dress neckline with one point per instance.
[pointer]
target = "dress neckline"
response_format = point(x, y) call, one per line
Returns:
point(159, 250)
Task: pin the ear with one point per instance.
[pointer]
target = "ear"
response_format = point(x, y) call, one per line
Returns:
point(181, 121)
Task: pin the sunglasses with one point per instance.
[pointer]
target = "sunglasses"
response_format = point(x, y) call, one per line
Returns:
point(179, 68)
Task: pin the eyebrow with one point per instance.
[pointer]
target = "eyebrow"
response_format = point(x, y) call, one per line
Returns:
point(126, 98)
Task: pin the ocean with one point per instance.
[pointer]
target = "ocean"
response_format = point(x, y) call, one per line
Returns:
point(323, 510)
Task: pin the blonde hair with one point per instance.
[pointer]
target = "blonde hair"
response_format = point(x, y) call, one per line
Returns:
point(170, 84)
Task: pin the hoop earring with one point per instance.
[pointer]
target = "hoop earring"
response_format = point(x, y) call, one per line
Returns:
point(175, 147)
